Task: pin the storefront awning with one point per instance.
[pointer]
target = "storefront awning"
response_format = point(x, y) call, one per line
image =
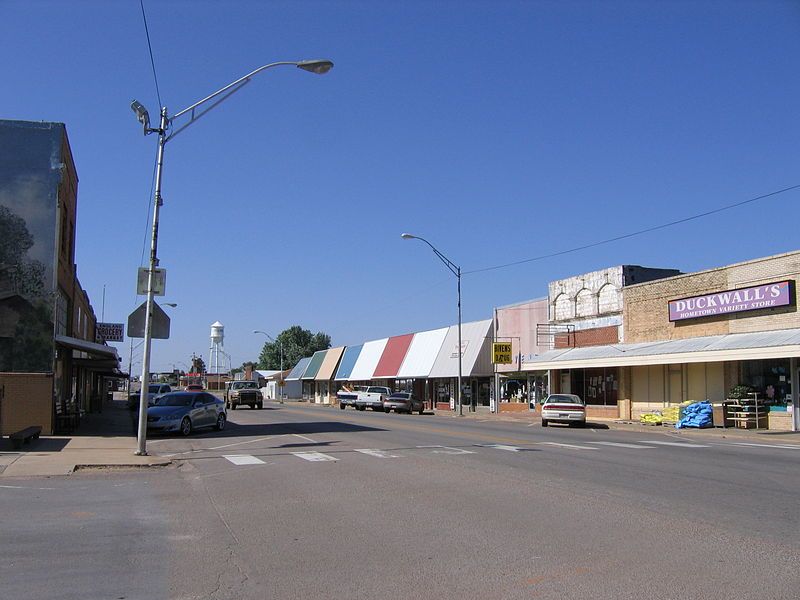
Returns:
point(422, 354)
point(368, 360)
point(475, 353)
point(716, 348)
point(329, 364)
point(314, 365)
point(94, 350)
point(347, 363)
point(392, 357)
point(299, 369)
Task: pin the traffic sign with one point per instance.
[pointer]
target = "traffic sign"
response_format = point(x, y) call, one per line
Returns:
point(159, 329)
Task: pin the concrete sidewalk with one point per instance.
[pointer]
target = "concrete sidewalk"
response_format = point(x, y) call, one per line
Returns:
point(762, 435)
point(104, 439)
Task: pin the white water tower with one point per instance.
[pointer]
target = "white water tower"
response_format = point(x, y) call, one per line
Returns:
point(217, 358)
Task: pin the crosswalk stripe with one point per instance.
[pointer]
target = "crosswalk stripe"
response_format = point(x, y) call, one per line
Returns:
point(676, 444)
point(572, 446)
point(314, 456)
point(621, 445)
point(502, 447)
point(378, 453)
point(784, 446)
point(243, 459)
point(447, 450)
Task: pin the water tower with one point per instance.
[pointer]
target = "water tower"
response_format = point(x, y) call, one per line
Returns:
point(217, 358)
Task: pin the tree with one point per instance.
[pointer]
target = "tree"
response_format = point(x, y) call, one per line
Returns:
point(297, 343)
point(245, 364)
point(198, 366)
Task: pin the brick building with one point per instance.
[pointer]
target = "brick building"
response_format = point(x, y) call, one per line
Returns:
point(696, 336)
point(49, 362)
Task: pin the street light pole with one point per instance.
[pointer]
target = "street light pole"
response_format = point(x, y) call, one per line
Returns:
point(319, 67)
point(456, 270)
point(280, 345)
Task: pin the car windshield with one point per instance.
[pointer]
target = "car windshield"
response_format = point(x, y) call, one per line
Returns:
point(245, 385)
point(154, 389)
point(176, 400)
point(564, 399)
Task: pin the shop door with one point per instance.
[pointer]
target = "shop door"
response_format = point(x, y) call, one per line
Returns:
point(565, 383)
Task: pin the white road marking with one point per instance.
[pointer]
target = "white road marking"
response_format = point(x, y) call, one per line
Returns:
point(24, 487)
point(243, 459)
point(314, 456)
point(502, 447)
point(238, 443)
point(784, 446)
point(447, 450)
point(676, 444)
point(378, 453)
point(302, 437)
point(571, 446)
point(621, 445)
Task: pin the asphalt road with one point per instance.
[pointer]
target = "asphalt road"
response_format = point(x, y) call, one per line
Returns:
point(299, 501)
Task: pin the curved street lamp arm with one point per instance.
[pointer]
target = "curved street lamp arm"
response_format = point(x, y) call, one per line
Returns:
point(231, 88)
point(447, 262)
point(244, 79)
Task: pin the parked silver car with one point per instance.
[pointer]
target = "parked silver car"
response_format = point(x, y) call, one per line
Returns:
point(403, 402)
point(563, 408)
point(185, 412)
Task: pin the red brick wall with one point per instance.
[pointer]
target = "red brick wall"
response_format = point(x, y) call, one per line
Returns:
point(599, 336)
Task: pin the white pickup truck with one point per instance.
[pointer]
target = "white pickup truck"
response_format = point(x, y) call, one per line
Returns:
point(364, 396)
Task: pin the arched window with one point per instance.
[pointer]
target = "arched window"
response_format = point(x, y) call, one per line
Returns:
point(562, 307)
point(609, 299)
point(584, 304)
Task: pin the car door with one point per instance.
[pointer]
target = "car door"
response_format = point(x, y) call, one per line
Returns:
point(199, 411)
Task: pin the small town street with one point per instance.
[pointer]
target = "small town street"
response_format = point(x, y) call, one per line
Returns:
point(303, 501)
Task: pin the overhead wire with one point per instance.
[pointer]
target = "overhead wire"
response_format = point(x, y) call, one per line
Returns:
point(150, 48)
point(633, 234)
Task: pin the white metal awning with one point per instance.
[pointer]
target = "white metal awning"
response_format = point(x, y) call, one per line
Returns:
point(784, 343)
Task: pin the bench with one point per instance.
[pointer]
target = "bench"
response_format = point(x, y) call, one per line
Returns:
point(24, 436)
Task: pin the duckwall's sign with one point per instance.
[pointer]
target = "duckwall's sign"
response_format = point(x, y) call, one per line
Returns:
point(770, 295)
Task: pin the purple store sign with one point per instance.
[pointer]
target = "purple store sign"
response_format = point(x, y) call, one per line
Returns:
point(733, 301)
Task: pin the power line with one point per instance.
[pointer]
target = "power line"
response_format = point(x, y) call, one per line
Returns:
point(150, 48)
point(635, 233)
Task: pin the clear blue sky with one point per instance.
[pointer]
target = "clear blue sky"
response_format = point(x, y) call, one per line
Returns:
point(500, 131)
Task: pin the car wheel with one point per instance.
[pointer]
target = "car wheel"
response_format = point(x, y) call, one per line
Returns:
point(186, 426)
point(260, 405)
point(342, 406)
point(544, 423)
point(220, 422)
point(421, 409)
point(387, 410)
point(233, 406)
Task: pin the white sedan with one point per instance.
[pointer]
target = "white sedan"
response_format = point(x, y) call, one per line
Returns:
point(563, 408)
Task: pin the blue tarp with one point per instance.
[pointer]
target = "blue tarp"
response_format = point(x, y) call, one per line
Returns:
point(699, 414)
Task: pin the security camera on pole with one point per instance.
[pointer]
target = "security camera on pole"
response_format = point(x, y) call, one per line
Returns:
point(319, 67)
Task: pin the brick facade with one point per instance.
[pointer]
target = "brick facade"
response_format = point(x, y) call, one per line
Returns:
point(646, 313)
point(599, 336)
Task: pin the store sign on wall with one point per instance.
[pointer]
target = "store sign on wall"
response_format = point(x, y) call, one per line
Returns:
point(757, 297)
point(501, 353)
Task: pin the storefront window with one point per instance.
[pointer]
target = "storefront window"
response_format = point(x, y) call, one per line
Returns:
point(770, 379)
point(596, 386)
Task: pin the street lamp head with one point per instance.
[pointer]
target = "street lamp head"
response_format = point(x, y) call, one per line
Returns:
point(407, 236)
point(320, 67)
point(141, 114)
point(172, 304)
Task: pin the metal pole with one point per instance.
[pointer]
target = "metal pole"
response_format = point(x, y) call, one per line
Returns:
point(281, 383)
point(141, 449)
point(458, 395)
